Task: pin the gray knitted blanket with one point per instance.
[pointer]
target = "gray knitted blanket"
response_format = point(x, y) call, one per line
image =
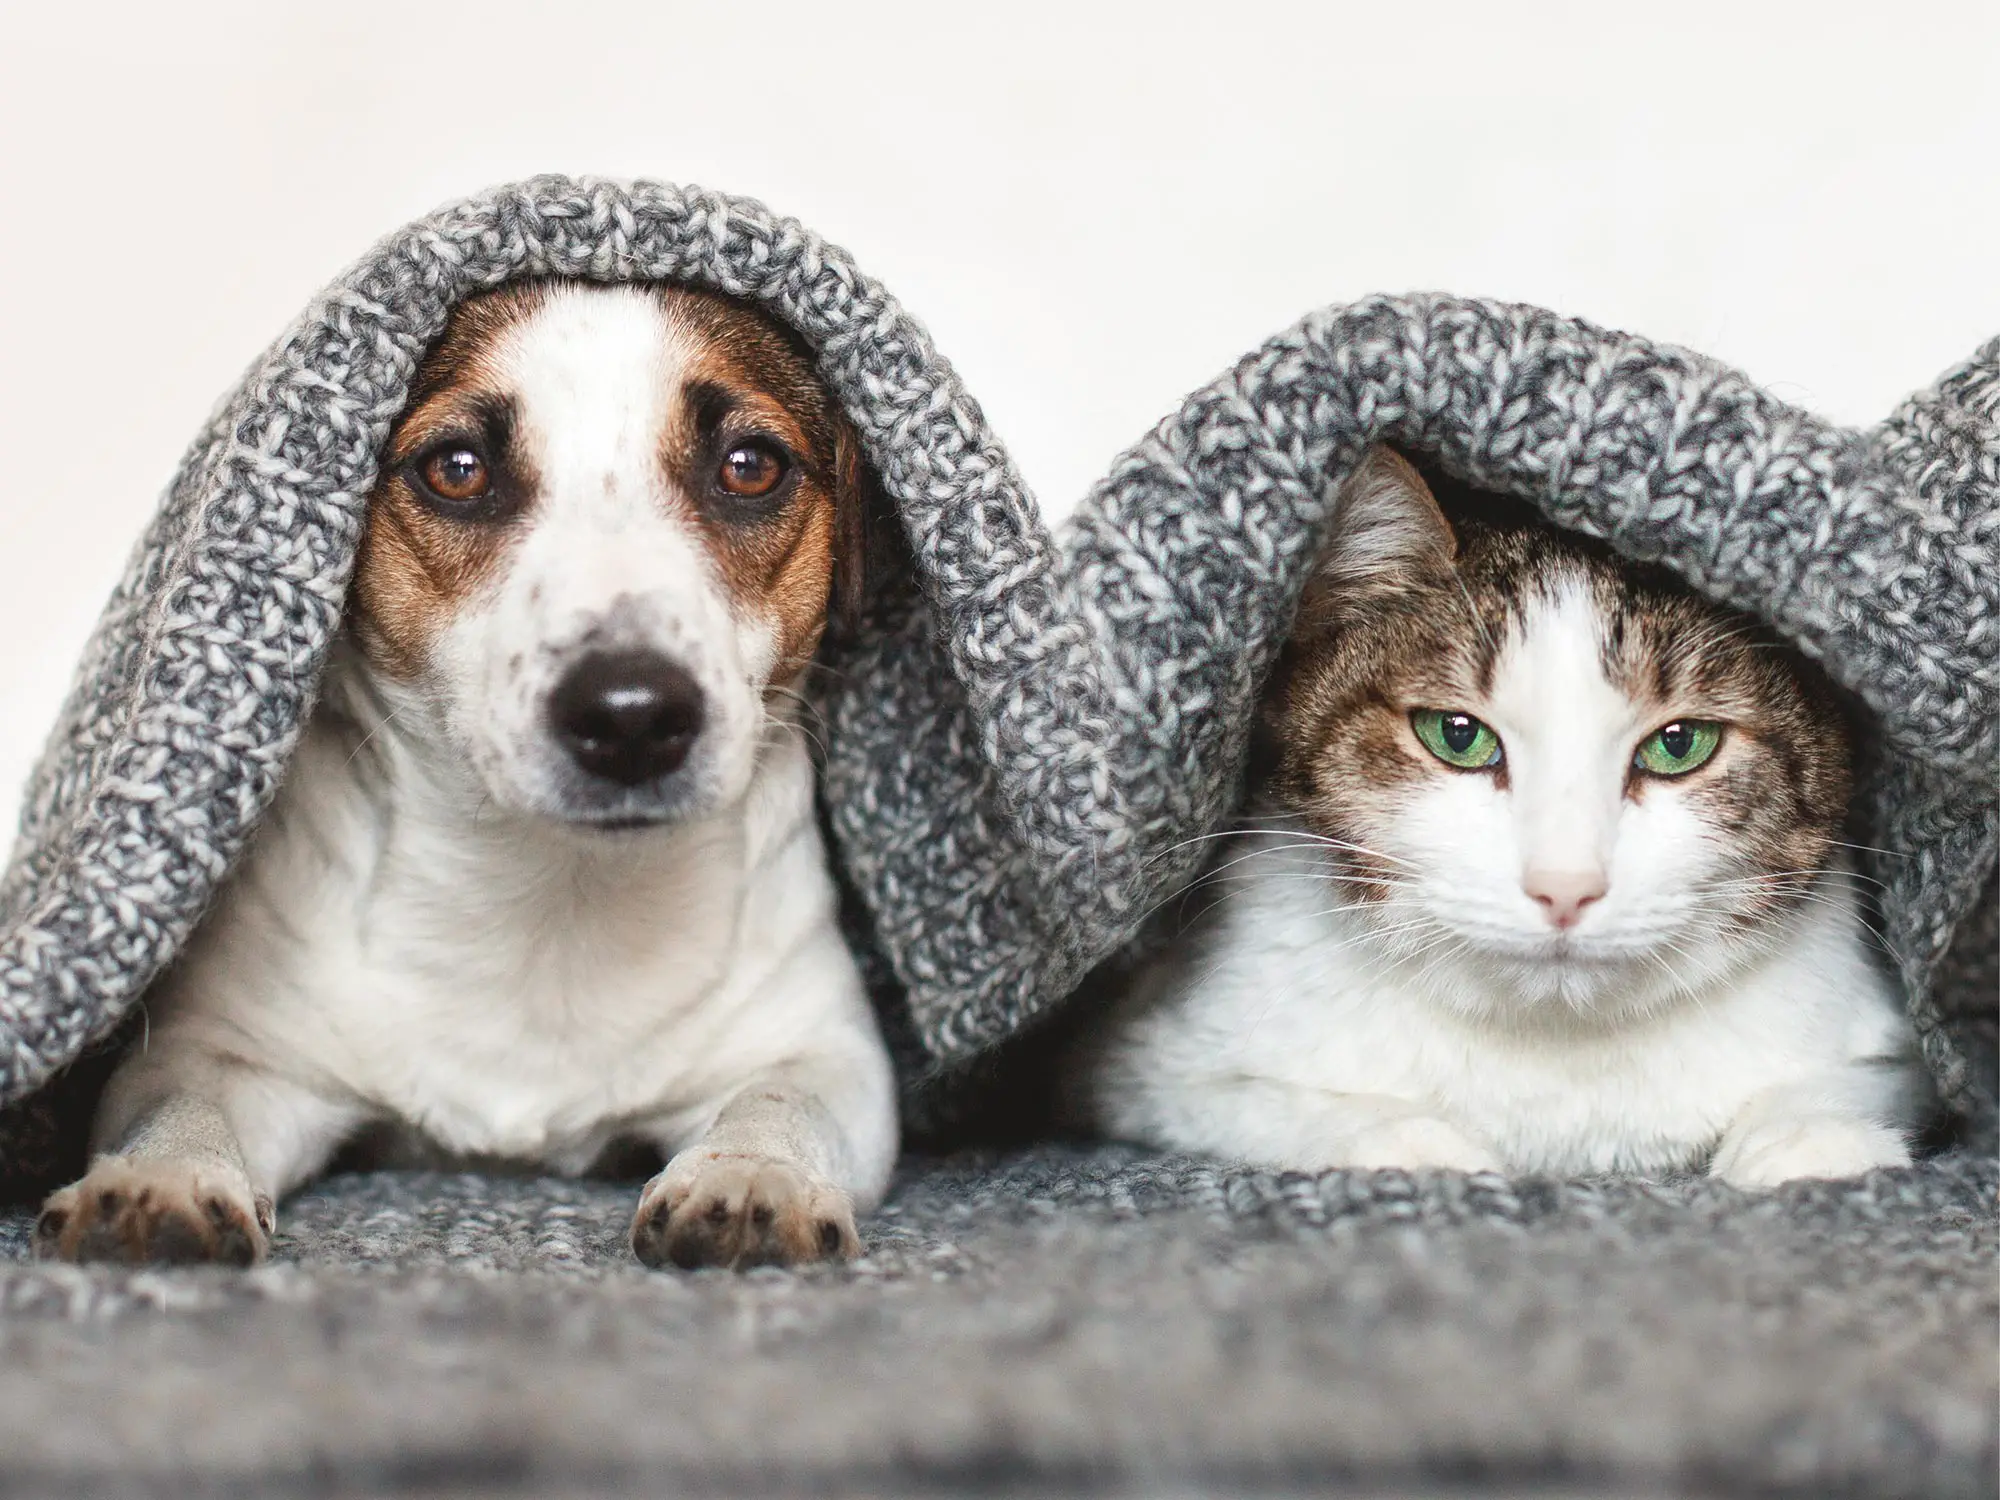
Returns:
point(1031, 727)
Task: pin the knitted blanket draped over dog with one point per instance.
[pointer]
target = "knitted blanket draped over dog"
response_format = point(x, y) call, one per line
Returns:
point(1031, 727)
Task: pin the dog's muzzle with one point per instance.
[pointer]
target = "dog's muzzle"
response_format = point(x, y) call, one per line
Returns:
point(626, 717)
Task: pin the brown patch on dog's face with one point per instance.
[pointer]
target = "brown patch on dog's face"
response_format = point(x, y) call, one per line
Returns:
point(1412, 608)
point(773, 471)
point(428, 545)
point(459, 485)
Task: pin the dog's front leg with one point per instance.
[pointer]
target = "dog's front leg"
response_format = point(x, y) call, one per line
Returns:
point(192, 1150)
point(777, 1179)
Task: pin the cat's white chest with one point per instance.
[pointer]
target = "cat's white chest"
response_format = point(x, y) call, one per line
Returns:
point(1249, 1039)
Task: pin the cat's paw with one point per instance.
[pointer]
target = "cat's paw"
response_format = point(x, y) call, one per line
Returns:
point(1784, 1150)
point(1414, 1142)
point(154, 1213)
point(741, 1211)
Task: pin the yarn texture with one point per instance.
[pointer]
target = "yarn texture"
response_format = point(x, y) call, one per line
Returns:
point(1032, 725)
point(1053, 1323)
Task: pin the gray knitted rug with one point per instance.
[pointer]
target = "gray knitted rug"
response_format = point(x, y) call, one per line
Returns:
point(1056, 1323)
point(1021, 745)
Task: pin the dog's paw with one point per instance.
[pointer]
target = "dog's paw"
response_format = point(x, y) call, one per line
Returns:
point(154, 1213)
point(1784, 1150)
point(741, 1211)
point(1415, 1142)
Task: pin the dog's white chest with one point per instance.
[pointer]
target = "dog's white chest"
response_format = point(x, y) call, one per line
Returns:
point(520, 994)
point(541, 1040)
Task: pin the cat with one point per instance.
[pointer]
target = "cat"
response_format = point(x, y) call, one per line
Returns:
point(1547, 878)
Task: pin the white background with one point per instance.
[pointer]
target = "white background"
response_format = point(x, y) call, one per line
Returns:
point(1095, 209)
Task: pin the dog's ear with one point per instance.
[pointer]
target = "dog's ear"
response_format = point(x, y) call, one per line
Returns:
point(856, 498)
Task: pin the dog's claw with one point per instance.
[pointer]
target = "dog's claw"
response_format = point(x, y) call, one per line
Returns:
point(167, 1213)
point(740, 1212)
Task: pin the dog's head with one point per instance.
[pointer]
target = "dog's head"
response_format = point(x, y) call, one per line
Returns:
point(609, 529)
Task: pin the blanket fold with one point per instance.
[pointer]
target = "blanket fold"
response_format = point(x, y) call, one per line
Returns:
point(1032, 727)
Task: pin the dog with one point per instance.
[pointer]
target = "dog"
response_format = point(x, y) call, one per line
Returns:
point(544, 880)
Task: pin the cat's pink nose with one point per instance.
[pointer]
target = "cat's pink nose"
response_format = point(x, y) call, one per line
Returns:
point(1563, 894)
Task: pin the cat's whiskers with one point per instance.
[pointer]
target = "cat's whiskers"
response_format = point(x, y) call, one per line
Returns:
point(1790, 885)
point(1816, 898)
point(1871, 849)
point(1213, 878)
point(1189, 842)
point(1294, 848)
point(1849, 911)
point(1384, 934)
point(1829, 873)
point(1325, 840)
point(1442, 937)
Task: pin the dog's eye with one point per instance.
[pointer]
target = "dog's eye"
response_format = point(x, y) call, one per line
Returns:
point(456, 472)
point(751, 470)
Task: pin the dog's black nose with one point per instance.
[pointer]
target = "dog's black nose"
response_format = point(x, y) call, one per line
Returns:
point(627, 716)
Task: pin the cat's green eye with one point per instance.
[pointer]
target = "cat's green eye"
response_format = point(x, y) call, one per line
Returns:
point(1678, 748)
point(1456, 739)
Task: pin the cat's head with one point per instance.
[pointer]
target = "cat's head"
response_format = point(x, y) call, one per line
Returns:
point(1550, 776)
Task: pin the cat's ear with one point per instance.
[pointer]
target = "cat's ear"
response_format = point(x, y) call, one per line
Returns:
point(1387, 528)
point(1387, 537)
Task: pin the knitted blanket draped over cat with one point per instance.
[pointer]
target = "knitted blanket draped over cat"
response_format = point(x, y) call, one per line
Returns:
point(1031, 732)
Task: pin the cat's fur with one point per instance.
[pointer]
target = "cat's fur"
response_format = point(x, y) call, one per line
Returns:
point(1560, 962)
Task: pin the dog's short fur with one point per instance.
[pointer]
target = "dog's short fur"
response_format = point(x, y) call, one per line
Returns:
point(545, 877)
